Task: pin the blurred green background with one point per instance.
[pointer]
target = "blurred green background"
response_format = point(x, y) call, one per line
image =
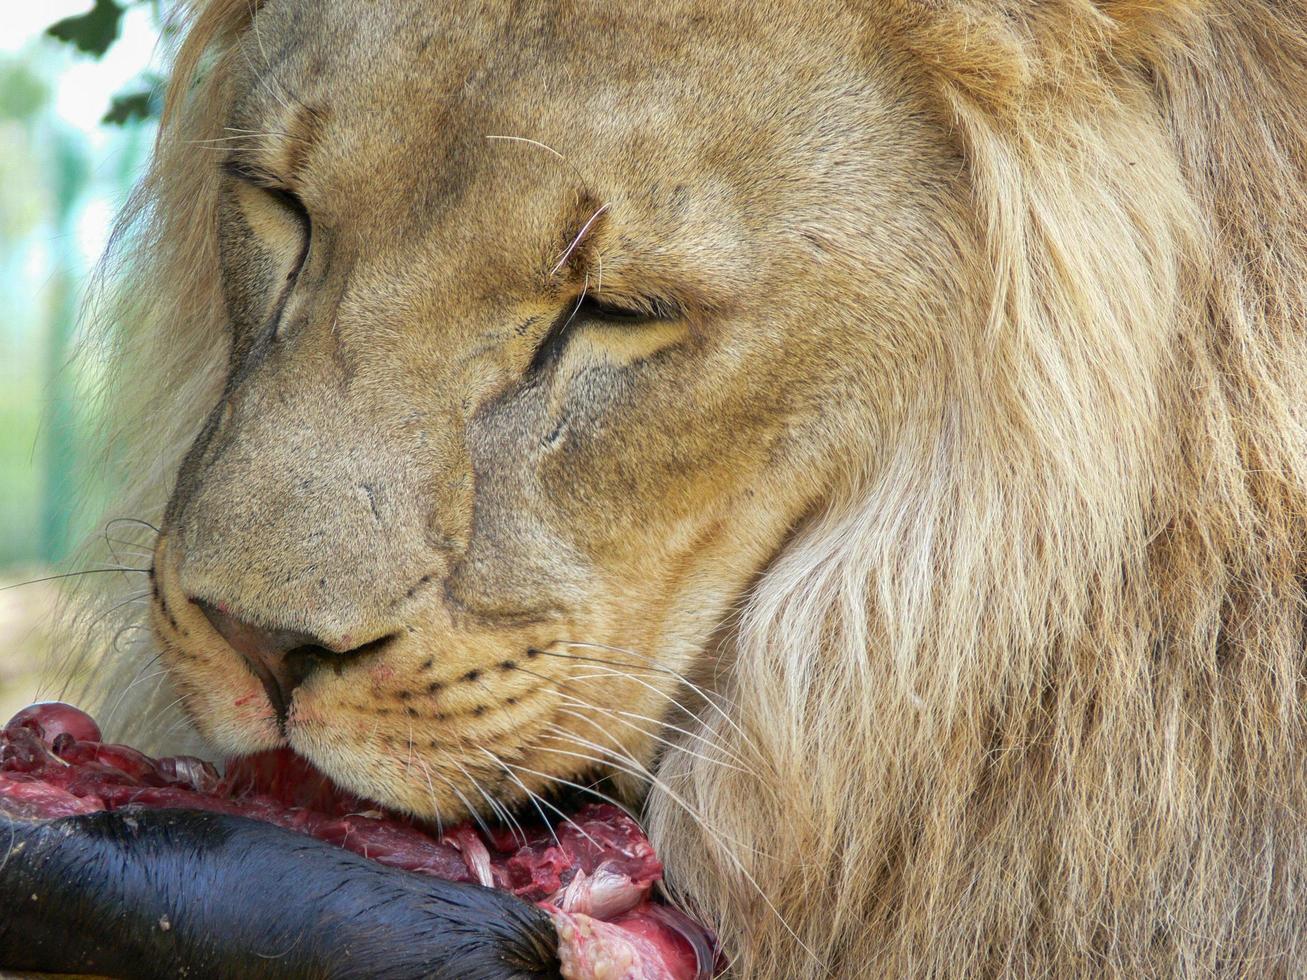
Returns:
point(78, 96)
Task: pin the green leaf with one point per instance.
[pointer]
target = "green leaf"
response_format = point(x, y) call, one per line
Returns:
point(128, 107)
point(92, 31)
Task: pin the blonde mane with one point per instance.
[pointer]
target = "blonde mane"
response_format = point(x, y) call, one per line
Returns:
point(1029, 696)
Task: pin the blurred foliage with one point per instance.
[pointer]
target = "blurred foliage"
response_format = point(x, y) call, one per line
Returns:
point(23, 95)
point(22, 92)
point(62, 177)
point(25, 206)
point(60, 182)
point(137, 105)
point(94, 32)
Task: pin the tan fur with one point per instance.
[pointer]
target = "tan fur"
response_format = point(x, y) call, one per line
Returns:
point(972, 495)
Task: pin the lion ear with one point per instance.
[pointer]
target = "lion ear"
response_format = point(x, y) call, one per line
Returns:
point(1141, 30)
point(972, 48)
point(993, 51)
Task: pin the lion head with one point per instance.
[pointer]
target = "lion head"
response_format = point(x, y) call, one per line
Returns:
point(871, 435)
point(528, 375)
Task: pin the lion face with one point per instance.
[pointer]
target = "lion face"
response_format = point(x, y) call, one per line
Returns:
point(545, 331)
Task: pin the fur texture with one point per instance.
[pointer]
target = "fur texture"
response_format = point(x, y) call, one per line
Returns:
point(1017, 685)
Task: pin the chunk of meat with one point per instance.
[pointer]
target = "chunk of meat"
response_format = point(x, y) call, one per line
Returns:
point(594, 872)
point(648, 942)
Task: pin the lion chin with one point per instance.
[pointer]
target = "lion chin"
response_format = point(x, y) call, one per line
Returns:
point(869, 438)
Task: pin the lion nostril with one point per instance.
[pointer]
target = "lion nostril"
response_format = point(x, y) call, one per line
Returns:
point(282, 659)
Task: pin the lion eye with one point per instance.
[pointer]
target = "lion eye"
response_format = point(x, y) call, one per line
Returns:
point(274, 190)
point(267, 182)
point(594, 309)
point(637, 311)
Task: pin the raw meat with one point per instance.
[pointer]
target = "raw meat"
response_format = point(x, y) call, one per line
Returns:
point(593, 872)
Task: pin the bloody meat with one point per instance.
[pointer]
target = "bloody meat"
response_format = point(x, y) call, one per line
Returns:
point(594, 872)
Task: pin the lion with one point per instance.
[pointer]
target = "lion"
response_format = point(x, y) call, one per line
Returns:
point(870, 436)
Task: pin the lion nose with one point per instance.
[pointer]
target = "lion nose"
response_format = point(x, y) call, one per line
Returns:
point(282, 659)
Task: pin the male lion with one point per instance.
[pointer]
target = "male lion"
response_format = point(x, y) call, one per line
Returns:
point(871, 432)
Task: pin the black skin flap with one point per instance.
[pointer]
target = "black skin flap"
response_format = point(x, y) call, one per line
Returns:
point(168, 893)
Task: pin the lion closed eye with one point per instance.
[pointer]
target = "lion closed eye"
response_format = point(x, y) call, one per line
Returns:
point(869, 434)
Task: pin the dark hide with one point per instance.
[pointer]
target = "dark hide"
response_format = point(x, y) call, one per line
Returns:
point(170, 893)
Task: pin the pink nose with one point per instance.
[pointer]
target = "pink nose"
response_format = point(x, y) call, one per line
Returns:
point(282, 659)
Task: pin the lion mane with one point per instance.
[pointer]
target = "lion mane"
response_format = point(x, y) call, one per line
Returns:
point(1029, 696)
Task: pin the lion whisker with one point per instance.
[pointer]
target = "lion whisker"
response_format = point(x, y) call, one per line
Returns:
point(603, 797)
point(158, 712)
point(262, 79)
point(659, 692)
point(127, 547)
point(710, 697)
point(126, 629)
point(647, 663)
point(472, 811)
point(130, 520)
point(136, 680)
point(258, 36)
point(496, 806)
point(226, 142)
point(705, 741)
point(136, 548)
point(69, 663)
point(664, 723)
point(576, 241)
point(667, 724)
point(63, 575)
point(619, 760)
point(544, 146)
point(653, 669)
point(646, 718)
point(676, 746)
point(435, 802)
point(531, 795)
point(137, 597)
